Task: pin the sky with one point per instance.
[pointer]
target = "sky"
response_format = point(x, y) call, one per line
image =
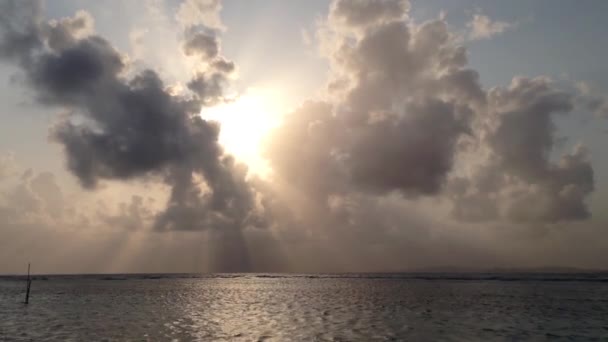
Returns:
point(308, 136)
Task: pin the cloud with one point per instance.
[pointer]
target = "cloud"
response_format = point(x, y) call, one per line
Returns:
point(20, 23)
point(483, 27)
point(517, 180)
point(200, 43)
point(591, 100)
point(35, 198)
point(122, 128)
point(399, 117)
point(209, 85)
point(362, 13)
point(62, 33)
point(361, 175)
point(405, 160)
point(132, 215)
point(204, 46)
point(406, 115)
point(7, 165)
point(200, 12)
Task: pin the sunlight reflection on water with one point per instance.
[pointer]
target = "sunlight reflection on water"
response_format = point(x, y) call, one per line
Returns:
point(251, 308)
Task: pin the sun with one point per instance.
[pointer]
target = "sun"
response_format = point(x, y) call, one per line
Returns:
point(244, 123)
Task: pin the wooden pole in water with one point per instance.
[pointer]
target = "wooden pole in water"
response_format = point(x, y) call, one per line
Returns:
point(29, 284)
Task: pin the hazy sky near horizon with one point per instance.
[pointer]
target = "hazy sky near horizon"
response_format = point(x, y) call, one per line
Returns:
point(266, 135)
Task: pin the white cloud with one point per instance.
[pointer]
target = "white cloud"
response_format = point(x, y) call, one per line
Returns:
point(200, 12)
point(483, 27)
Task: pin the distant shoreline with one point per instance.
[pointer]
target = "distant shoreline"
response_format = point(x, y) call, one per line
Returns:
point(601, 276)
point(434, 270)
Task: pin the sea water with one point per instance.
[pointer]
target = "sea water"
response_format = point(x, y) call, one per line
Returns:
point(305, 307)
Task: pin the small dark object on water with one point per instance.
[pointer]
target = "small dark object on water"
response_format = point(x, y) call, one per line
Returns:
point(29, 284)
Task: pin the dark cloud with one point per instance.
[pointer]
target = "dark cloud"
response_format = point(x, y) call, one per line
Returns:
point(355, 13)
point(363, 179)
point(416, 150)
point(63, 32)
point(124, 128)
point(406, 101)
point(208, 85)
point(20, 28)
point(353, 168)
point(224, 66)
point(524, 132)
point(518, 181)
point(77, 73)
point(408, 115)
point(137, 128)
point(202, 44)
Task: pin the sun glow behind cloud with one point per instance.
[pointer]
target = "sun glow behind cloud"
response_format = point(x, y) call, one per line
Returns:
point(245, 121)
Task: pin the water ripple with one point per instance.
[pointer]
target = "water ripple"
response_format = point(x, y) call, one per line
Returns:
point(301, 308)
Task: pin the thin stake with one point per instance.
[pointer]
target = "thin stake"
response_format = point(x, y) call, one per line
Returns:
point(29, 284)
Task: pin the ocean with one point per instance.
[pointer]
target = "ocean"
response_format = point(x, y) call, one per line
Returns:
point(307, 307)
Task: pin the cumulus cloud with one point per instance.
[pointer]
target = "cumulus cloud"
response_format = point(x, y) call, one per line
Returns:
point(405, 114)
point(200, 12)
point(390, 169)
point(356, 168)
point(123, 128)
point(20, 23)
point(518, 181)
point(61, 33)
point(402, 110)
point(203, 44)
point(483, 27)
point(200, 43)
point(361, 13)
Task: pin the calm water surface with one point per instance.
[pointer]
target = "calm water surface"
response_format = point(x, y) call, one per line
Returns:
point(262, 307)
